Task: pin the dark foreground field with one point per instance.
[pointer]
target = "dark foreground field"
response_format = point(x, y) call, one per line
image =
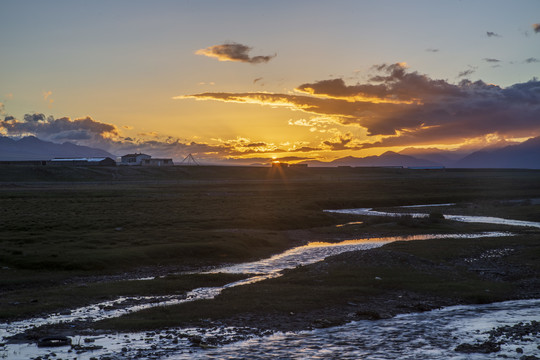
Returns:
point(74, 236)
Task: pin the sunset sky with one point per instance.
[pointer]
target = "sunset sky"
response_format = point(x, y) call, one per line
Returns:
point(295, 80)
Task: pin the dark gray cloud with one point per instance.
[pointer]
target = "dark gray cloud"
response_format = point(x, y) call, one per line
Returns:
point(402, 107)
point(394, 85)
point(233, 52)
point(491, 60)
point(492, 34)
point(432, 50)
point(536, 28)
point(49, 128)
point(466, 73)
point(34, 117)
point(342, 143)
point(532, 60)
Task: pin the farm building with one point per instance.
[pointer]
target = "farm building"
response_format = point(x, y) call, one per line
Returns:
point(103, 161)
point(134, 159)
point(24, 162)
point(157, 162)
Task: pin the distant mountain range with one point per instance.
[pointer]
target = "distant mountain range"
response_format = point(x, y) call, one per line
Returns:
point(389, 158)
point(32, 148)
point(525, 155)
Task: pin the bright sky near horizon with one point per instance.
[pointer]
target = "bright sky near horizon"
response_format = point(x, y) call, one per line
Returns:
point(261, 79)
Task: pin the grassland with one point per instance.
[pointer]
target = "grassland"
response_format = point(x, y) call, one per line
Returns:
point(70, 236)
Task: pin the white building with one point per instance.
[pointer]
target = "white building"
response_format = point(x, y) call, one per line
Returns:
point(133, 159)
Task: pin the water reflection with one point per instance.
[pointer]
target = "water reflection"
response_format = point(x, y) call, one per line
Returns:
point(462, 218)
point(431, 335)
point(318, 251)
point(262, 269)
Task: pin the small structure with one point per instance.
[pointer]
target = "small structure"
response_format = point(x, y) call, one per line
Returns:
point(157, 162)
point(134, 159)
point(103, 161)
point(24, 162)
point(190, 161)
point(299, 165)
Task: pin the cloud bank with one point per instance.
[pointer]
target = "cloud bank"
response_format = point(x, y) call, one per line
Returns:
point(398, 107)
point(52, 129)
point(234, 52)
point(90, 132)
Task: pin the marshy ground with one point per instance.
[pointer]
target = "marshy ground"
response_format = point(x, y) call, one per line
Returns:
point(70, 237)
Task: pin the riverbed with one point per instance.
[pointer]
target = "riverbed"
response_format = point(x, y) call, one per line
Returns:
point(435, 334)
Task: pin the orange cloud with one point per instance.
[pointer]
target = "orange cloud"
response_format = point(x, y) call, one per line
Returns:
point(46, 97)
point(398, 107)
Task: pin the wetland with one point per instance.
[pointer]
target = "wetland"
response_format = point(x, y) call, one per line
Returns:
point(137, 244)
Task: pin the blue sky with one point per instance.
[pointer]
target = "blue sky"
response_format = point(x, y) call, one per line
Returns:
point(133, 65)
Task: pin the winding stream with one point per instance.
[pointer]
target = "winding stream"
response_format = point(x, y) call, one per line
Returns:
point(462, 218)
point(304, 344)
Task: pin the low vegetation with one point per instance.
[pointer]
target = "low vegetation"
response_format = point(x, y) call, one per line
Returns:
point(49, 299)
point(61, 228)
point(399, 277)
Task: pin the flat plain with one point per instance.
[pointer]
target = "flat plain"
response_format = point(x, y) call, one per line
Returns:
point(73, 236)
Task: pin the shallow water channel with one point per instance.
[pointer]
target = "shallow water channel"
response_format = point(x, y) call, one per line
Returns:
point(462, 218)
point(310, 344)
point(430, 335)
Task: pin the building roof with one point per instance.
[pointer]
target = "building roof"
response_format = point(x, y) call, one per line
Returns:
point(134, 155)
point(81, 159)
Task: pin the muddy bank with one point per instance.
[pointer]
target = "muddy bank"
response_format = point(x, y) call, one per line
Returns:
point(524, 282)
point(376, 284)
point(401, 277)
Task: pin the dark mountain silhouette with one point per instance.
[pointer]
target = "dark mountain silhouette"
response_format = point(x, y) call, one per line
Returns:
point(523, 156)
point(32, 148)
point(389, 158)
point(435, 155)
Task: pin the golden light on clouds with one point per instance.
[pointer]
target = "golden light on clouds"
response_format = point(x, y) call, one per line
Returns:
point(359, 98)
point(397, 108)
